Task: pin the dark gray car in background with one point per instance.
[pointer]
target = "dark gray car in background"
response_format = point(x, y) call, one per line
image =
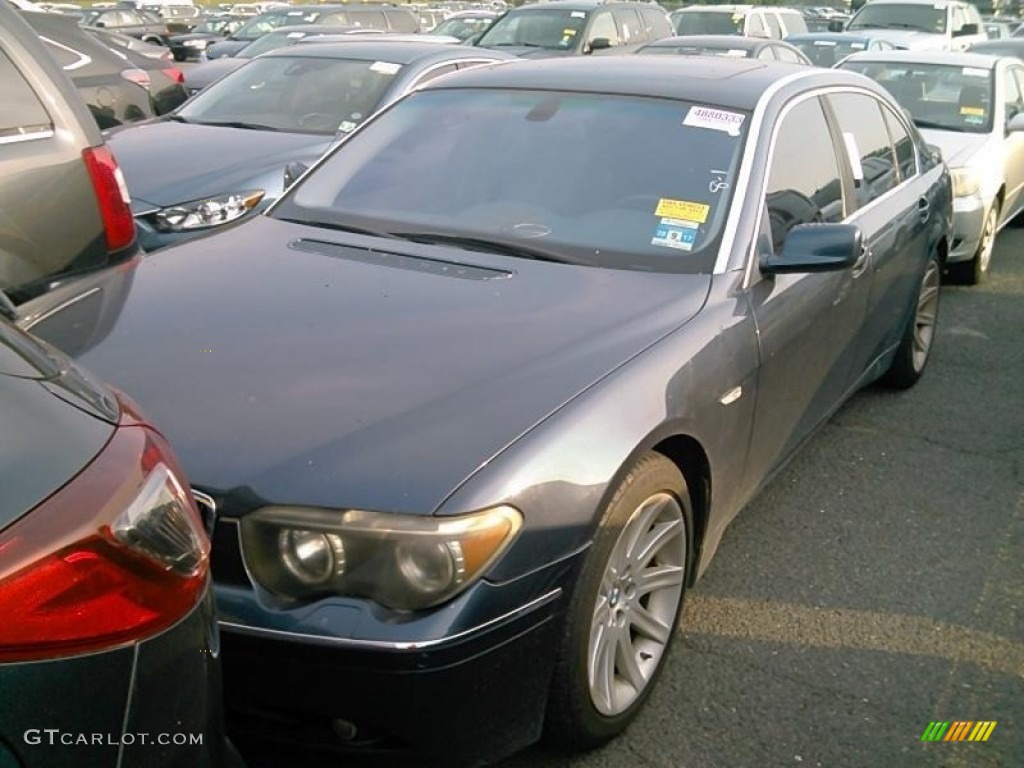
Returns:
point(475, 409)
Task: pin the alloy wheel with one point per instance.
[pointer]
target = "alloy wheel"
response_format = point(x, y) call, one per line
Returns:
point(988, 239)
point(927, 312)
point(636, 604)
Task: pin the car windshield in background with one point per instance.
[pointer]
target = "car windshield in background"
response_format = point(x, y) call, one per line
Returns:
point(258, 27)
point(708, 23)
point(606, 180)
point(697, 50)
point(548, 28)
point(936, 95)
point(270, 42)
point(296, 94)
point(461, 28)
point(826, 53)
point(923, 18)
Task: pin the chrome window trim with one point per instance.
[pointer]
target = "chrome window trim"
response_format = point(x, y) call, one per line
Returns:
point(83, 59)
point(33, 136)
point(388, 645)
point(746, 170)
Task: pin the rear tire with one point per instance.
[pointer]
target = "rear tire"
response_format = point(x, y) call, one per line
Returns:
point(916, 344)
point(624, 608)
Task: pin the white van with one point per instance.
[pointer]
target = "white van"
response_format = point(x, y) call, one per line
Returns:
point(748, 20)
point(942, 25)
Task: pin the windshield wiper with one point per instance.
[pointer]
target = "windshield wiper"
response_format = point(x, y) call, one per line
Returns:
point(237, 124)
point(518, 45)
point(488, 246)
point(901, 25)
point(354, 229)
point(930, 124)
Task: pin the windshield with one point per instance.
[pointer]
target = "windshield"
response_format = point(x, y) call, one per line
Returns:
point(826, 53)
point(294, 94)
point(546, 28)
point(708, 23)
point(463, 28)
point(258, 27)
point(270, 42)
point(936, 95)
point(615, 181)
point(923, 18)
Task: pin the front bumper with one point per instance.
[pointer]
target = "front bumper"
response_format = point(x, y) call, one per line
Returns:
point(350, 677)
point(968, 222)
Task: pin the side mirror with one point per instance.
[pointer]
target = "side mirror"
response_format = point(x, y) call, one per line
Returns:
point(966, 29)
point(292, 171)
point(816, 248)
point(835, 25)
point(1016, 123)
point(600, 44)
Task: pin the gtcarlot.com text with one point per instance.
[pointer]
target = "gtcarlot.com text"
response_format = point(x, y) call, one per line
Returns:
point(55, 736)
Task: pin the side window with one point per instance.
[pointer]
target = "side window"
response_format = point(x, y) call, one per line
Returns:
point(755, 27)
point(782, 53)
point(804, 183)
point(1018, 76)
point(867, 144)
point(906, 158)
point(656, 23)
point(629, 25)
point(23, 113)
point(400, 21)
point(368, 19)
point(767, 54)
point(774, 30)
point(959, 18)
point(604, 26)
point(433, 74)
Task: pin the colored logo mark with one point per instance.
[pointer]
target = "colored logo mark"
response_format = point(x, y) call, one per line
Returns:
point(960, 730)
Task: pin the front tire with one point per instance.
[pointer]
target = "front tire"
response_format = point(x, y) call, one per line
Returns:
point(916, 344)
point(976, 270)
point(624, 608)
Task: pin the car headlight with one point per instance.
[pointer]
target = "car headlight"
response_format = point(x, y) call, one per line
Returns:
point(403, 562)
point(965, 182)
point(208, 212)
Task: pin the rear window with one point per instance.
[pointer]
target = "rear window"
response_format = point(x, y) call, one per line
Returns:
point(402, 21)
point(708, 23)
point(539, 169)
point(23, 113)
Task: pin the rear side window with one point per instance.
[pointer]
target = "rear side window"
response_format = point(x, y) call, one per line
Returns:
point(774, 30)
point(367, 19)
point(629, 24)
point(867, 143)
point(804, 183)
point(656, 23)
point(755, 27)
point(401, 21)
point(23, 114)
point(906, 157)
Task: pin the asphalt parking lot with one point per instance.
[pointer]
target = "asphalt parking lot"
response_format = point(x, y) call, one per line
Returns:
point(875, 586)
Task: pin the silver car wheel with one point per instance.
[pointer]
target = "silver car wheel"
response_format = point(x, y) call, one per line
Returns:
point(637, 604)
point(927, 312)
point(988, 238)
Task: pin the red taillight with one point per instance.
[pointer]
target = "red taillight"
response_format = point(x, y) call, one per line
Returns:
point(175, 74)
point(137, 76)
point(111, 196)
point(116, 555)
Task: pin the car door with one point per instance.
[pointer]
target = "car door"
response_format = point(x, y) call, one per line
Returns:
point(808, 324)
point(892, 213)
point(1013, 163)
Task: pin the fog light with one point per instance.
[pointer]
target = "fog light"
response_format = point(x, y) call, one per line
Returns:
point(431, 566)
point(310, 556)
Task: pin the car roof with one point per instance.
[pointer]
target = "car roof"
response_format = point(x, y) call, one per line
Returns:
point(728, 82)
point(947, 58)
point(837, 36)
point(711, 41)
point(395, 51)
point(319, 29)
point(934, 3)
point(717, 8)
point(572, 5)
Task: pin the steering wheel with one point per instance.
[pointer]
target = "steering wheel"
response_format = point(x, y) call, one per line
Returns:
point(317, 120)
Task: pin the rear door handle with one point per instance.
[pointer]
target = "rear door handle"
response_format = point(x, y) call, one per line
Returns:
point(861, 264)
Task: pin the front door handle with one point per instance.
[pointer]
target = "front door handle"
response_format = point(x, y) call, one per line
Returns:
point(924, 208)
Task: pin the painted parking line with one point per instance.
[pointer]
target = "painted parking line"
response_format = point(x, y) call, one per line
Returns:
point(806, 626)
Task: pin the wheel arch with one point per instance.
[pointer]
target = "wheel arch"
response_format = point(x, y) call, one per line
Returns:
point(691, 460)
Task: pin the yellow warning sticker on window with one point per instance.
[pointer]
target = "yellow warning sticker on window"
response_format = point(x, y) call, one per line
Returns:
point(568, 32)
point(682, 209)
point(972, 111)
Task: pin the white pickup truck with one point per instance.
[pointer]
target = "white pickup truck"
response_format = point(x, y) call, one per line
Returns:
point(944, 25)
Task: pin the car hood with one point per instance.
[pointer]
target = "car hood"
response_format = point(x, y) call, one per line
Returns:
point(217, 160)
point(284, 370)
point(959, 149)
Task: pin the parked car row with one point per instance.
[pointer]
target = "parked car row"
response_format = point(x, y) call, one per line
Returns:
point(467, 360)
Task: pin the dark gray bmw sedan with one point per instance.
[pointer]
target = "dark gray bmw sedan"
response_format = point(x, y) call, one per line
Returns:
point(477, 398)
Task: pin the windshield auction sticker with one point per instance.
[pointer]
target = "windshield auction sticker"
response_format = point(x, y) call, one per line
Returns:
point(682, 209)
point(714, 119)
